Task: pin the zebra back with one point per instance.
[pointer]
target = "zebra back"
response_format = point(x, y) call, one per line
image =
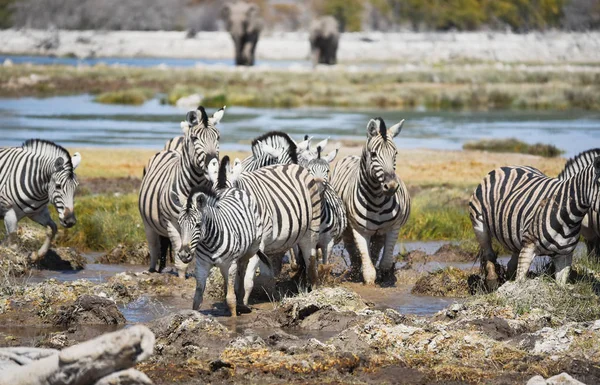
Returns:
point(271, 148)
point(578, 162)
point(36, 173)
point(289, 201)
point(174, 144)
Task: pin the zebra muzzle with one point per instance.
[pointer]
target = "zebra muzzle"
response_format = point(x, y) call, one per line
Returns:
point(390, 187)
point(185, 254)
point(68, 219)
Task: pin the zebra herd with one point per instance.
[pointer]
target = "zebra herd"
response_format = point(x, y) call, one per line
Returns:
point(238, 214)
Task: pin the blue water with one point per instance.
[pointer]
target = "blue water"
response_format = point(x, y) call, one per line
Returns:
point(77, 121)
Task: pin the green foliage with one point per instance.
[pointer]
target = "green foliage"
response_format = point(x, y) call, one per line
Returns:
point(135, 96)
point(514, 145)
point(6, 13)
point(103, 221)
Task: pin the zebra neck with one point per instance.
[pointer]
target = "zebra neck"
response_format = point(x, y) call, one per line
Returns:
point(209, 228)
point(582, 189)
point(366, 181)
point(188, 175)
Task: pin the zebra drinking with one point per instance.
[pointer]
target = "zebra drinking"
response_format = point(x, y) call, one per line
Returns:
point(223, 229)
point(531, 214)
point(289, 201)
point(177, 171)
point(31, 176)
point(376, 200)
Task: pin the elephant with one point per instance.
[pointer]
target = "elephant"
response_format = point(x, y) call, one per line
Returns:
point(244, 23)
point(324, 37)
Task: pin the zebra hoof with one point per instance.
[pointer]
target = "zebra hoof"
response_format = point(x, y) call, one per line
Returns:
point(152, 270)
point(387, 278)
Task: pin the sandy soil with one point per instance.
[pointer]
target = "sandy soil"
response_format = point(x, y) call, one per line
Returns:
point(405, 47)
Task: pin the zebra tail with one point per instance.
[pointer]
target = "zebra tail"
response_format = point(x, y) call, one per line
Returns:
point(263, 257)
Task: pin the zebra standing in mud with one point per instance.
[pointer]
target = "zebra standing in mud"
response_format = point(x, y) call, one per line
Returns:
point(177, 171)
point(333, 212)
point(531, 214)
point(31, 176)
point(590, 226)
point(271, 148)
point(223, 229)
point(289, 201)
point(377, 201)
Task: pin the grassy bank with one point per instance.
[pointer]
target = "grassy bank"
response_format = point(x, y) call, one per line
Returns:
point(481, 86)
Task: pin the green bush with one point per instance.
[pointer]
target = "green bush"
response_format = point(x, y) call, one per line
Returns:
point(135, 96)
point(515, 146)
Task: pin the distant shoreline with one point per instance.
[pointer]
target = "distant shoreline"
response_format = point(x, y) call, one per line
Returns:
point(553, 47)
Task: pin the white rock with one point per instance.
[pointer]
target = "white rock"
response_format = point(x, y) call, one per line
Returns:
point(537, 380)
point(192, 100)
point(563, 379)
point(7, 63)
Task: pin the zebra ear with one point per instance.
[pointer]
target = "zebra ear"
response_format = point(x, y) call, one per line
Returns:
point(217, 116)
point(185, 127)
point(59, 164)
point(175, 199)
point(199, 199)
point(192, 118)
point(395, 129)
point(323, 143)
point(331, 156)
point(372, 128)
point(305, 144)
point(75, 160)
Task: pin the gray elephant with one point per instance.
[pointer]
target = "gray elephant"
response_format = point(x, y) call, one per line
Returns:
point(324, 37)
point(244, 23)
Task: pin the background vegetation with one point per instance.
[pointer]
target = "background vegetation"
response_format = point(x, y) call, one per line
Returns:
point(354, 15)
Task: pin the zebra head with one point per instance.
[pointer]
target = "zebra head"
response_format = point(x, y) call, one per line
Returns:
point(61, 188)
point(191, 218)
point(379, 155)
point(319, 166)
point(201, 137)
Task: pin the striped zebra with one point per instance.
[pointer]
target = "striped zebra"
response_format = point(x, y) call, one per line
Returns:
point(531, 214)
point(376, 200)
point(31, 176)
point(177, 171)
point(289, 201)
point(176, 143)
point(305, 151)
point(271, 148)
point(590, 227)
point(333, 212)
point(223, 230)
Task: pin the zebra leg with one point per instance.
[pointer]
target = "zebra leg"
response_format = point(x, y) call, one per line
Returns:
point(486, 254)
point(249, 277)
point(511, 269)
point(153, 246)
point(525, 258)
point(293, 254)
point(353, 252)
point(10, 223)
point(562, 265)
point(368, 270)
point(387, 260)
point(175, 246)
point(229, 275)
point(43, 218)
point(377, 243)
point(202, 271)
point(309, 254)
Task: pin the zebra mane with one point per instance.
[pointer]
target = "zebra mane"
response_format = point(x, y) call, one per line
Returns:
point(382, 127)
point(204, 189)
point(222, 178)
point(319, 149)
point(578, 162)
point(290, 144)
point(41, 146)
point(203, 116)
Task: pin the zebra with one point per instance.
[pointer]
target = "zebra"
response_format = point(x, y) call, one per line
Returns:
point(333, 212)
point(376, 200)
point(176, 143)
point(590, 227)
point(305, 151)
point(31, 176)
point(223, 229)
point(177, 171)
point(531, 214)
point(289, 201)
point(271, 148)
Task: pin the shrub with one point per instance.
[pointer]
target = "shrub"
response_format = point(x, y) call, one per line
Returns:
point(515, 146)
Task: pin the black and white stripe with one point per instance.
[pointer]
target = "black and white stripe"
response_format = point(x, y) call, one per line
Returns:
point(590, 226)
point(376, 200)
point(531, 214)
point(289, 201)
point(177, 171)
point(176, 143)
point(223, 229)
point(271, 148)
point(31, 176)
point(305, 151)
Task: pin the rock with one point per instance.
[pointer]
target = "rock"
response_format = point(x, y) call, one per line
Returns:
point(448, 282)
point(452, 253)
point(7, 63)
point(193, 100)
point(62, 258)
point(250, 340)
point(536, 380)
point(416, 256)
point(559, 379)
point(215, 285)
point(134, 254)
point(89, 309)
point(548, 340)
point(454, 309)
point(13, 263)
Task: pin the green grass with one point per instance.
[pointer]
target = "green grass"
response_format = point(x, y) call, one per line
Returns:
point(134, 96)
point(103, 221)
point(515, 146)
